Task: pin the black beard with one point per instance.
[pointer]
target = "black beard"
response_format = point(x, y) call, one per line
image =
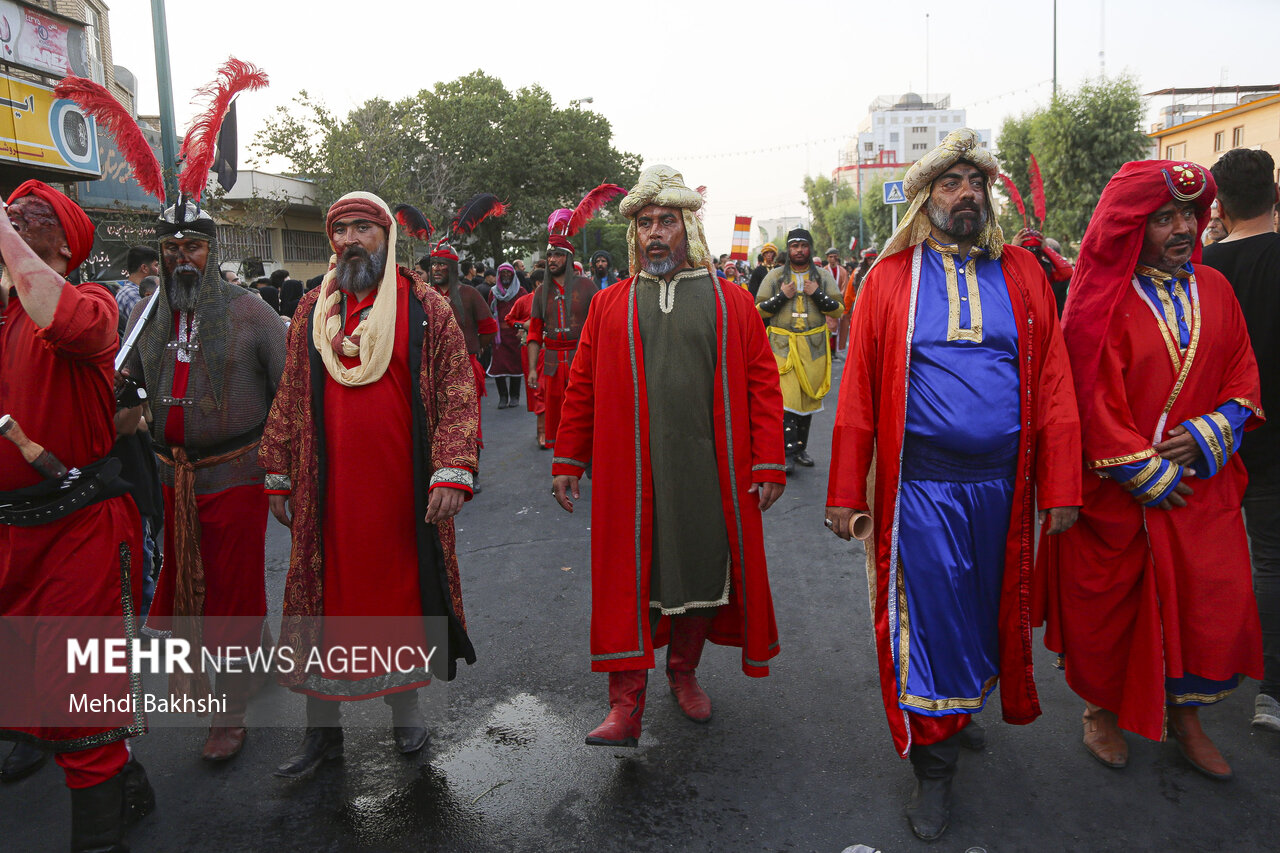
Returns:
point(957, 229)
point(183, 288)
point(358, 271)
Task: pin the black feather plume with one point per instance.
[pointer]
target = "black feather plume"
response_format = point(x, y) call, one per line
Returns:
point(414, 223)
point(477, 209)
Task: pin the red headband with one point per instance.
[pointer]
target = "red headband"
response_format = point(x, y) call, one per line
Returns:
point(75, 223)
point(356, 208)
point(556, 241)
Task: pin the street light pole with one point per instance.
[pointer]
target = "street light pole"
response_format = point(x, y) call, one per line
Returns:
point(1055, 48)
point(164, 86)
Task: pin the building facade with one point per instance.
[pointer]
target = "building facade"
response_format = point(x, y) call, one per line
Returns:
point(1238, 117)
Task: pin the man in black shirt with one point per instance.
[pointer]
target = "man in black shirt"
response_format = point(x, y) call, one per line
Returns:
point(1249, 257)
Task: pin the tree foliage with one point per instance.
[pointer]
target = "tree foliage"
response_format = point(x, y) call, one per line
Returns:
point(437, 148)
point(1080, 140)
point(835, 213)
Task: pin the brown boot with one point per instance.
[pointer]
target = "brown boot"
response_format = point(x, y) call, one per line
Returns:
point(626, 707)
point(688, 635)
point(1184, 727)
point(1102, 737)
point(226, 729)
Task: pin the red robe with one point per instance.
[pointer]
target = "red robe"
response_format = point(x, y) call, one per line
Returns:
point(871, 422)
point(605, 422)
point(1138, 594)
point(77, 572)
point(521, 312)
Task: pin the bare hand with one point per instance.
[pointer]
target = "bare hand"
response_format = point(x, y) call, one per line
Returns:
point(1175, 497)
point(1061, 518)
point(562, 486)
point(1180, 448)
point(281, 509)
point(532, 379)
point(443, 504)
point(789, 289)
point(810, 286)
point(848, 523)
point(769, 493)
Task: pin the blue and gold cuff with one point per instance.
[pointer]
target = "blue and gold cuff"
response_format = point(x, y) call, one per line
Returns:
point(1150, 481)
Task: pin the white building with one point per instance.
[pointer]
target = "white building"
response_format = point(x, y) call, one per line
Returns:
point(896, 132)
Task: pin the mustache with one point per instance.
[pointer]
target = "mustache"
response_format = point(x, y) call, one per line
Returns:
point(1178, 241)
point(186, 269)
point(657, 244)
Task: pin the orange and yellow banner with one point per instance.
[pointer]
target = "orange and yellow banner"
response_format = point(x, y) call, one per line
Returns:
point(741, 238)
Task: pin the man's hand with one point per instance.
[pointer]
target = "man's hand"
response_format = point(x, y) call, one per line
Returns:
point(1175, 497)
point(444, 503)
point(127, 420)
point(562, 486)
point(769, 493)
point(810, 286)
point(1061, 518)
point(280, 508)
point(848, 523)
point(788, 289)
point(1180, 447)
point(532, 379)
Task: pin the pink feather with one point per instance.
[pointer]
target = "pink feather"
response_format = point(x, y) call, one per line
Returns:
point(591, 204)
point(108, 112)
point(558, 221)
point(1037, 191)
point(201, 143)
point(1012, 189)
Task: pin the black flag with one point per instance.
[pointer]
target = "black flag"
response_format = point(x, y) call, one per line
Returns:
point(225, 161)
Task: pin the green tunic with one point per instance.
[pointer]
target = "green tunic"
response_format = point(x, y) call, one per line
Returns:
point(690, 542)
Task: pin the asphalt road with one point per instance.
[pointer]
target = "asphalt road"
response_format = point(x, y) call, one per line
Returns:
point(800, 761)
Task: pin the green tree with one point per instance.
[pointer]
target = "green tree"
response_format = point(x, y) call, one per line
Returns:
point(1080, 140)
point(437, 148)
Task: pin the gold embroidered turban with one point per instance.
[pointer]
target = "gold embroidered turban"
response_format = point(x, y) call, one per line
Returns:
point(962, 144)
point(665, 187)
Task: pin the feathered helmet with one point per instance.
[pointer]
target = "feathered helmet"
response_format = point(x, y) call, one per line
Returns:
point(565, 222)
point(477, 209)
point(183, 217)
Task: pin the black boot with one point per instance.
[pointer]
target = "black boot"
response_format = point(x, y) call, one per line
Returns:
point(23, 760)
point(97, 817)
point(973, 736)
point(139, 798)
point(408, 728)
point(514, 382)
point(930, 808)
point(503, 400)
point(322, 742)
point(802, 456)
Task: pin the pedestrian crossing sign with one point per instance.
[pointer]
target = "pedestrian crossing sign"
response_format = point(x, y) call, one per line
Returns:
point(893, 193)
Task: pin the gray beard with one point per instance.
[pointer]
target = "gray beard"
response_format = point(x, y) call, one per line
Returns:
point(956, 229)
point(358, 274)
point(183, 288)
point(674, 260)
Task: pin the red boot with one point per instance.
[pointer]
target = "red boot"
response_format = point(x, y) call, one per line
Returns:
point(688, 634)
point(626, 707)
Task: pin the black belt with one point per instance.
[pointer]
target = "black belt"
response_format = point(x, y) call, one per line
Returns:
point(51, 500)
point(195, 454)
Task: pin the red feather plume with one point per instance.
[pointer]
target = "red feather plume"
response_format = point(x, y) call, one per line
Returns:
point(1037, 190)
point(477, 209)
point(1012, 189)
point(108, 112)
point(200, 145)
point(414, 223)
point(591, 204)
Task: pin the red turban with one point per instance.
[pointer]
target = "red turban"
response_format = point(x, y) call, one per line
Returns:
point(75, 223)
point(1109, 252)
point(556, 241)
point(444, 251)
point(358, 206)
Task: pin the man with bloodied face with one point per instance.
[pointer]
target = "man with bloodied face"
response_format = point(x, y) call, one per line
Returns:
point(371, 449)
point(70, 548)
point(210, 357)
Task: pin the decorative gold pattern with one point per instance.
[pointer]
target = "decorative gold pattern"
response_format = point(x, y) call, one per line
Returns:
point(1139, 480)
point(1201, 426)
point(1250, 405)
point(1199, 698)
point(954, 332)
point(1157, 488)
point(1123, 460)
point(950, 703)
point(1228, 436)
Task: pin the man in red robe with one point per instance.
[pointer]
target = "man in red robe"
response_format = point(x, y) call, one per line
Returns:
point(957, 386)
point(674, 399)
point(371, 450)
point(519, 318)
point(474, 318)
point(1150, 597)
point(75, 571)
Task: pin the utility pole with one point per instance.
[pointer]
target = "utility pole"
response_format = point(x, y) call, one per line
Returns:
point(1055, 48)
point(164, 87)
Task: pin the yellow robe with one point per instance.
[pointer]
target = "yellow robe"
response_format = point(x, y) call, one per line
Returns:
point(798, 335)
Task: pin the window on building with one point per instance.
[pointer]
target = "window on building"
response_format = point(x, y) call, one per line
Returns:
point(942, 134)
point(1218, 139)
point(238, 244)
point(1176, 152)
point(919, 146)
point(919, 130)
point(93, 44)
point(868, 147)
point(893, 119)
point(893, 137)
point(1237, 137)
point(308, 247)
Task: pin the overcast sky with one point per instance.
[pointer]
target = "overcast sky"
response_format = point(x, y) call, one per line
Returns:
point(705, 85)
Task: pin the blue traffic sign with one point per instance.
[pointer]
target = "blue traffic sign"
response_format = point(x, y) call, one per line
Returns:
point(893, 193)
